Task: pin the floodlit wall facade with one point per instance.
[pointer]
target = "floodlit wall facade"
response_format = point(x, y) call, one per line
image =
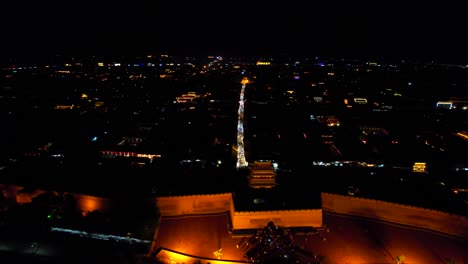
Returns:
point(86, 203)
point(27, 197)
point(194, 204)
point(438, 221)
point(285, 218)
point(222, 203)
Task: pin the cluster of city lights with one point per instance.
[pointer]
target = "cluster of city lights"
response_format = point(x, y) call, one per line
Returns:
point(270, 243)
point(352, 163)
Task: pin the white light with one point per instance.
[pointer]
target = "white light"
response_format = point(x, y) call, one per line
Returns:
point(241, 160)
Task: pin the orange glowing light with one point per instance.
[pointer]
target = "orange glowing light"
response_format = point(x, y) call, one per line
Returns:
point(463, 135)
point(89, 204)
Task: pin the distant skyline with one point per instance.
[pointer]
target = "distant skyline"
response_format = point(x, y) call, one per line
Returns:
point(386, 28)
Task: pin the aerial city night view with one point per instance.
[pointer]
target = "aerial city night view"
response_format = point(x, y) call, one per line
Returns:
point(326, 133)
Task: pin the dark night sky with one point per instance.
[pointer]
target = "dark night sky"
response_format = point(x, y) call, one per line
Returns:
point(350, 28)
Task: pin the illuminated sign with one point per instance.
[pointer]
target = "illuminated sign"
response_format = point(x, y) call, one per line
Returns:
point(360, 100)
point(445, 105)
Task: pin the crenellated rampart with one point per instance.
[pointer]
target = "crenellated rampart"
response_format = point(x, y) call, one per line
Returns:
point(408, 215)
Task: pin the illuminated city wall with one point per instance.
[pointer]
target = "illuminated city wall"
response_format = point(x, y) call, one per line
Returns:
point(451, 224)
point(23, 197)
point(222, 203)
point(88, 203)
point(285, 218)
point(9, 192)
point(194, 204)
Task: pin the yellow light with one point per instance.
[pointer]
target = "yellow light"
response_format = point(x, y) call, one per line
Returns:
point(218, 253)
point(419, 167)
point(245, 81)
point(64, 106)
point(98, 104)
point(463, 135)
point(170, 256)
point(150, 156)
point(263, 63)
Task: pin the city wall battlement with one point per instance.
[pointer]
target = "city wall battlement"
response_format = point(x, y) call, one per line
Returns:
point(451, 224)
point(423, 218)
point(194, 204)
point(285, 218)
point(196, 196)
point(402, 214)
point(221, 203)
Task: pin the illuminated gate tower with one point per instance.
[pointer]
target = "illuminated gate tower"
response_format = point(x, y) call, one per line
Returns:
point(262, 175)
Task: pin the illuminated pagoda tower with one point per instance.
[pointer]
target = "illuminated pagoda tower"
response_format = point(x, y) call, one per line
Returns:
point(262, 175)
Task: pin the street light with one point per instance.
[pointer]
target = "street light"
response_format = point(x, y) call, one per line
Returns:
point(218, 253)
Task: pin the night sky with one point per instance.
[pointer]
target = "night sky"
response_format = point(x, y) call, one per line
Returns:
point(348, 28)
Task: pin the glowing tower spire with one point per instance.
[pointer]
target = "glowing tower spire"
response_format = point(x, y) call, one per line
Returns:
point(241, 161)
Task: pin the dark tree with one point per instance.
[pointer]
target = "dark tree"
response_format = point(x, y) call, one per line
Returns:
point(272, 244)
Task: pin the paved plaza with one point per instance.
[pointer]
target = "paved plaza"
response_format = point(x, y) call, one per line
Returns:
point(344, 240)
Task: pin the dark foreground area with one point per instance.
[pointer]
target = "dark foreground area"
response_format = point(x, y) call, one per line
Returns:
point(64, 248)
